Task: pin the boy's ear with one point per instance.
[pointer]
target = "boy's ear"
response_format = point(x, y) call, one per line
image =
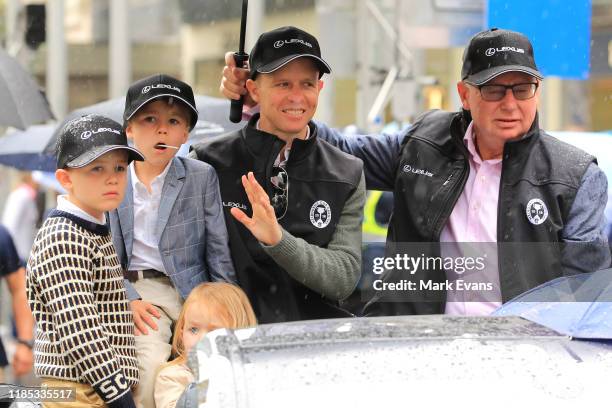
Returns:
point(63, 177)
point(253, 89)
point(128, 130)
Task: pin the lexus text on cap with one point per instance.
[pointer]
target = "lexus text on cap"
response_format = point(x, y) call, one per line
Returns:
point(275, 49)
point(159, 86)
point(494, 52)
point(84, 139)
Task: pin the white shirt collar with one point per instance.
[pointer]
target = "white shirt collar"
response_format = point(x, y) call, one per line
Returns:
point(63, 204)
point(159, 179)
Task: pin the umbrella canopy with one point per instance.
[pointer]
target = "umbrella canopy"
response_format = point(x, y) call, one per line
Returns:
point(23, 149)
point(48, 181)
point(23, 103)
point(213, 118)
point(579, 306)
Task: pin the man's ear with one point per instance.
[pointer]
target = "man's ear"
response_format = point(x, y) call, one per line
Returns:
point(253, 89)
point(321, 83)
point(63, 177)
point(463, 90)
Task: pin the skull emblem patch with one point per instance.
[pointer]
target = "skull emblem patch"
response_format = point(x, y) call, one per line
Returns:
point(536, 211)
point(320, 214)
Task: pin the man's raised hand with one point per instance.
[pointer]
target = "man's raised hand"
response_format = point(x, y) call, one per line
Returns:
point(263, 224)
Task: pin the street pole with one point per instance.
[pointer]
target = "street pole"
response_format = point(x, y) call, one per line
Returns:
point(552, 104)
point(57, 71)
point(256, 11)
point(11, 15)
point(120, 58)
point(363, 64)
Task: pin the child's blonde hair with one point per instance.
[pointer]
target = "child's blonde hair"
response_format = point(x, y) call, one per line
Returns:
point(227, 302)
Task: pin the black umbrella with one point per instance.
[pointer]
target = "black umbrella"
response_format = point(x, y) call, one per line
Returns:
point(23, 149)
point(212, 118)
point(23, 103)
point(240, 58)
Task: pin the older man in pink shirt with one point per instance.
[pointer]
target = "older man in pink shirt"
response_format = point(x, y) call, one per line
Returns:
point(474, 219)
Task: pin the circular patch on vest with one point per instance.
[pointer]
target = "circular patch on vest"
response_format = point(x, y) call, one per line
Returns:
point(536, 211)
point(320, 214)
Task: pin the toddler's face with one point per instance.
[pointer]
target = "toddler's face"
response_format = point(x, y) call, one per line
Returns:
point(197, 325)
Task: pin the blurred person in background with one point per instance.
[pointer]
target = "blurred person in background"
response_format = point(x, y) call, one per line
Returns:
point(12, 269)
point(21, 214)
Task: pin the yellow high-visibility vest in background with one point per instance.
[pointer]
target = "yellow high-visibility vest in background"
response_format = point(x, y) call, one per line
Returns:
point(369, 225)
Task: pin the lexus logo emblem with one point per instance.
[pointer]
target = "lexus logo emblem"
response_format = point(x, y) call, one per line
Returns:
point(279, 44)
point(491, 51)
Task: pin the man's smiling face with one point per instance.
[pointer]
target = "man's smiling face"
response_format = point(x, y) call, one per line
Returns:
point(288, 98)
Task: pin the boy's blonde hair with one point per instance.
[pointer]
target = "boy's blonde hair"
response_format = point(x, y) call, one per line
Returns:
point(227, 301)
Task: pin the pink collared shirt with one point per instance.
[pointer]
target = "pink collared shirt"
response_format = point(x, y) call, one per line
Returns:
point(474, 220)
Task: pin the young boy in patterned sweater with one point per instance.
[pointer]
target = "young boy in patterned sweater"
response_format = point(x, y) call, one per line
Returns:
point(85, 333)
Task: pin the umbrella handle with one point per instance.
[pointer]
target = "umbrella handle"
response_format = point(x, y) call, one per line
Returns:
point(236, 104)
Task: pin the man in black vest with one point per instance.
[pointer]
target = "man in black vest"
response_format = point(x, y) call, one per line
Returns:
point(298, 251)
point(530, 206)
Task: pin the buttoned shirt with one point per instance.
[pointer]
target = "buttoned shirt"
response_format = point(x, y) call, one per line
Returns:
point(471, 232)
point(145, 249)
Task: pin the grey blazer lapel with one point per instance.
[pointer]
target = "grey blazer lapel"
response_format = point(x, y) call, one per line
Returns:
point(126, 219)
point(170, 192)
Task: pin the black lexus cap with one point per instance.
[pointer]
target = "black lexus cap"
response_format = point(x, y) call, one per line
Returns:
point(275, 49)
point(83, 140)
point(495, 52)
point(159, 86)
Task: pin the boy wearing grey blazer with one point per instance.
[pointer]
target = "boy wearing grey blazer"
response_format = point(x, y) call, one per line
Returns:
point(169, 231)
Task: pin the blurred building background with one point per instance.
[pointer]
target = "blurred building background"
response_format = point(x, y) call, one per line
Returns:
point(392, 59)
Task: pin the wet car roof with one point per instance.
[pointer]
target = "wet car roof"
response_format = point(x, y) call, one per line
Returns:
point(389, 361)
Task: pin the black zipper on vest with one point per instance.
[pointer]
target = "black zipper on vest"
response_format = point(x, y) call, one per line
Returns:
point(448, 179)
point(452, 180)
point(456, 176)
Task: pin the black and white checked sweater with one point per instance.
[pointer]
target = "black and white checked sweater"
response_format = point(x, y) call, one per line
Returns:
point(85, 331)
